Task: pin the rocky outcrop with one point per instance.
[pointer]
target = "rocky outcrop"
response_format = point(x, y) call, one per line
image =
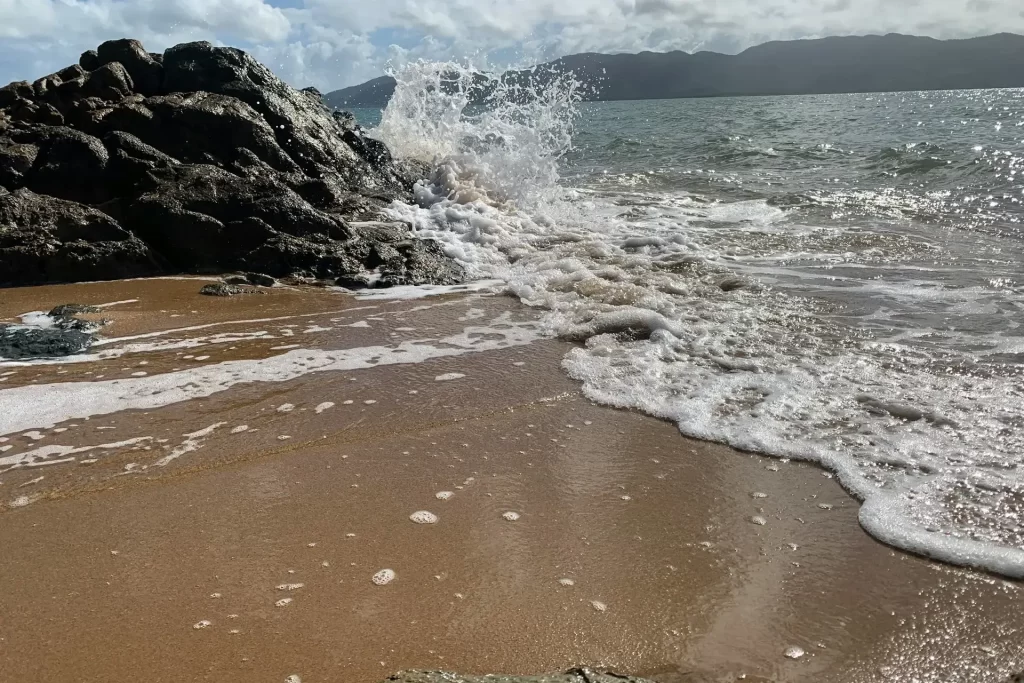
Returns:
point(198, 160)
point(572, 676)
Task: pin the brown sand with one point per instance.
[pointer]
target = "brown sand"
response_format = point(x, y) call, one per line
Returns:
point(110, 566)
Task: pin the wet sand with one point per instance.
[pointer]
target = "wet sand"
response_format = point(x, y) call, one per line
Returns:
point(634, 547)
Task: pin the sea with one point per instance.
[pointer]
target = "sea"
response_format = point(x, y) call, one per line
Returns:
point(836, 279)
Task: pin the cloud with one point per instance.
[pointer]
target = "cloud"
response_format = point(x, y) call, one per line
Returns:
point(332, 43)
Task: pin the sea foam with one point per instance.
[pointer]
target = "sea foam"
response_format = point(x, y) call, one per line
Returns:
point(670, 327)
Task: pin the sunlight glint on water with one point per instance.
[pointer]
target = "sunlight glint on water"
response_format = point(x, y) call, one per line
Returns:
point(836, 300)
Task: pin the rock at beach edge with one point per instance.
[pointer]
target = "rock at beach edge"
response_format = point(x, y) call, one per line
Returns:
point(197, 160)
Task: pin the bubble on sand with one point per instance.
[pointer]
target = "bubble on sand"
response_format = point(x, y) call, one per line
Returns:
point(326, 405)
point(510, 516)
point(447, 377)
point(283, 602)
point(294, 678)
point(347, 403)
point(369, 403)
point(283, 437)
point(239, 429)
point(519, 364)
point(423, 517)
point(759, 520)
point(201, 624)
point(599, 606)
point(794, 652)
point(824, 506)
point(567, 582)
point(20, 502)
point(626, 497)
point(215, 595)
point(443, 495)
point(758, 494)
point(290, 586)
point(384, 577)
point(285, 408)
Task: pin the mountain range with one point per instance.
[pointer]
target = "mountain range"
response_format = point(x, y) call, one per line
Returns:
point(889, 63)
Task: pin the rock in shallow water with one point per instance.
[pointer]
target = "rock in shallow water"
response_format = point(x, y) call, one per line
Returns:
point(199, 160)
point(571, 676)
point(20, 343)
point(226, 289)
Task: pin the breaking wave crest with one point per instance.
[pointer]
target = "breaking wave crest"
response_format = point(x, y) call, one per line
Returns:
point(655, 287)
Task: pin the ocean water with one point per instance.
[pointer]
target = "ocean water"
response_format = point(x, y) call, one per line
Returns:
point(837, 279)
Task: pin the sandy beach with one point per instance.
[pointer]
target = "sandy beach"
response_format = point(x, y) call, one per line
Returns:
point(186, 521)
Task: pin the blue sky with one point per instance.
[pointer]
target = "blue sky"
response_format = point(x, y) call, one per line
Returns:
point(334, 43)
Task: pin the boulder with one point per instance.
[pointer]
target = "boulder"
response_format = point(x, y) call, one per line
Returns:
point(69, 164)
point(146, 73)
point(44, 240)
point(198, 160)
point(226, 289)
point(571, 676)
point(19, 343)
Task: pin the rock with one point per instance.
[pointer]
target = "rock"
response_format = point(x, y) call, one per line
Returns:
point(199, 160)
point(260, 279)
point(89, 60)
point(108, 82)
point(354, 281)
point(571, 676)
point(17, 343)
point(224, 289)
point(16, 160)
point(256, 279)
point(43, 240)
point(12, 92)
point(69, 310)
point(146, 73)
point(68, 164)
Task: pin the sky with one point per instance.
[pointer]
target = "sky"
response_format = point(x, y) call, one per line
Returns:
point(335, 43)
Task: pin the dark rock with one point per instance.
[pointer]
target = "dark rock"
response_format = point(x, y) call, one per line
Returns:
point(108, 82)
point(354, 282)
point(18, 342)
point(236, 280)
point(304, 128)
point(69, 164)
point(43, 240)
point(16, 160)
point(89, 61)
point(199, 160)
point(260, 280)
point(571, 676)
point(70, 310)
point(224, 289)
point(146, 73)
point(12, 92)
point(346, 120)
point(70, 73)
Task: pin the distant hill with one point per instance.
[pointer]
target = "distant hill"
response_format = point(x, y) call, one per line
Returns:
point(887, 63)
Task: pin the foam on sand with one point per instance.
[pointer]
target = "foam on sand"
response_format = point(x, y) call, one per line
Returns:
point(923, 435)
point(46, 405)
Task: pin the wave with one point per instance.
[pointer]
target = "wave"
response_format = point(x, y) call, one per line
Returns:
point(651, 287)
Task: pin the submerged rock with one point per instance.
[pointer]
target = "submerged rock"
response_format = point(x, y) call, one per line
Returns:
point(571, 676)
point(226, 289)
point(198, 160)
point(19, 343)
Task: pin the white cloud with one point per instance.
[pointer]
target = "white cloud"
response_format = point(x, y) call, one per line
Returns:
point(331, 43)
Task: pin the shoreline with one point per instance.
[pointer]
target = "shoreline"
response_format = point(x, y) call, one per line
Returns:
point(670, 571)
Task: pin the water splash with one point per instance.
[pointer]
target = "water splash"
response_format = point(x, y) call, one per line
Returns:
point(488, 137)
point(648, 280)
